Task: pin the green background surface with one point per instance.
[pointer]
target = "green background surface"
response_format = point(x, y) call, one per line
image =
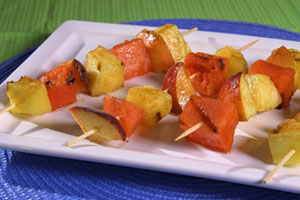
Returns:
point(25, 23)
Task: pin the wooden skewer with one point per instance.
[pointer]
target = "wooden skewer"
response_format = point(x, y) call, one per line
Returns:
point(189, 31)
point(81, 137)
point(248, 45)
point(7, 109)
point(188, 131)
point(280, 164)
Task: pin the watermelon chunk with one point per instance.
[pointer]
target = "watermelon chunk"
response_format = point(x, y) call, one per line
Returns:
point(208, 72)
point(134, 55)
point(219, 122)
point(129, 114)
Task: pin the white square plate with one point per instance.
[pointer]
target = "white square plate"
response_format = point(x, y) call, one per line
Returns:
point(247, 163)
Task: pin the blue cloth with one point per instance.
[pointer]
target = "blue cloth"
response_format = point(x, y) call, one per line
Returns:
point(27, 176)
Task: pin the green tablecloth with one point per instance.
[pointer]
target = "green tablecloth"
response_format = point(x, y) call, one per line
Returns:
point(24, 23)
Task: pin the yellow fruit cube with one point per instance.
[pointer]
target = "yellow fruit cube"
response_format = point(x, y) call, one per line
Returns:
point(296, 54)
point(155, 102)
point(28, 96)
point(178, 47)
point(263, 92)
point(283, 139)
point(237, 62)
point(105, 71)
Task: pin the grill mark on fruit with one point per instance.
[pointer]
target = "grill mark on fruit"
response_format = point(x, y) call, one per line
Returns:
point(158, 115)
point(82, 73)
point(222, 64)
point(48, 84)
point(208, 121)
point(76, 65)
point(99, 66)
point(280, 106)
point(70, 79)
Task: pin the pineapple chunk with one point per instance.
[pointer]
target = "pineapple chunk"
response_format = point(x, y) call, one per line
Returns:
point(105, 71)
point(155, 102)
point(28, 96)
point(296, 54)
point(263, 92)
point(237, 62)
point(178, 47)
point(283, 139)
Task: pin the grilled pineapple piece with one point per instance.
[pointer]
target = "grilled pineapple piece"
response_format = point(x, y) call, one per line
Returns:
point(296, 54)
point(105, 71)
point(237, 62)
point(155, 102)
point(178, 47)
point(28, 96)
point(283, 139)
point(263, 92)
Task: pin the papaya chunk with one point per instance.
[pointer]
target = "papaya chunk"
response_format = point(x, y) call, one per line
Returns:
point(79, 73)
point(283, 78)
point(161, 57)
point(129, 114)
point(61, 84)
point(134, 55)
point(219, 122)
point(208, 72)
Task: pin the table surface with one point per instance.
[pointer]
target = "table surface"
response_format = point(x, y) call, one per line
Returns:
point(26, 23)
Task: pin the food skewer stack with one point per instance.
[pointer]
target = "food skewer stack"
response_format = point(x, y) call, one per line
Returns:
point(211, 93)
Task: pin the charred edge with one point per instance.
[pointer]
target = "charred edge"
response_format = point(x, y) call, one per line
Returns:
point(222, 64)
point(158, 115)
point(279, 107)
point(99, 66)
point(70, 79)
point(48, 84)
point(82, 73)
point(208, 121)
point(76, 64)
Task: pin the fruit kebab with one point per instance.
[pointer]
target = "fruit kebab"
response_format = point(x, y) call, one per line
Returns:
point(146, 105)
point(117, 121)
point(108, 69)
point(55, 89)
point(284, 145)
point(245, 90)
point(266, 86)
point(202, 73)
